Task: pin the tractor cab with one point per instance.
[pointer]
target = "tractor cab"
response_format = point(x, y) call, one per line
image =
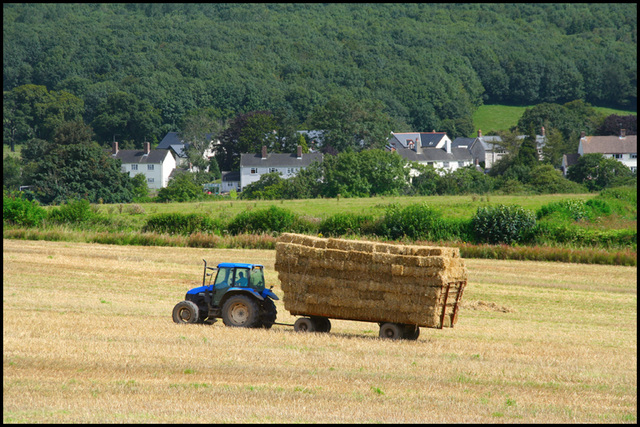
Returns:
point(235, 275)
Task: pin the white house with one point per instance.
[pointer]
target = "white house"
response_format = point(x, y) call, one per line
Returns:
point(253, 166)
point(156, 165)
point(488, 149)
point(430, 148)
point(623, 147)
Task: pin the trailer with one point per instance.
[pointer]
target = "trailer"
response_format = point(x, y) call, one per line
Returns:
point(400, 287)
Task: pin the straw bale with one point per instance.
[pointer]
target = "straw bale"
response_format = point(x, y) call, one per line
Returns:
point(372, 281)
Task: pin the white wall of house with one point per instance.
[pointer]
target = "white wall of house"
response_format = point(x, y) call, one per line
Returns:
point(157, 174)
point(249, 175)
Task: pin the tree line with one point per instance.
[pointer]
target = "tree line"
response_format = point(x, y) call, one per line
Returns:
point(135, 71)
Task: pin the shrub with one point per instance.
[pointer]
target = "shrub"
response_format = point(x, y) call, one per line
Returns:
point(345, 223)
point(271, 219)
point(72, 212)
point(185, 224)
point(416, 222)
point(503, 224)
point(18, 211)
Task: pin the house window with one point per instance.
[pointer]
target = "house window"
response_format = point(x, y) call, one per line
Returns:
point(445, 164)
point(460, 164)
point(134, 167)
point(150, 180)
point(149, 167)
point(254, 171)
point(273, 170)
point(633, 155)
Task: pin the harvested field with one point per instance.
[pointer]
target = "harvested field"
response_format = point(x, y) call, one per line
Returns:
point(370, 281)
point(88, 338)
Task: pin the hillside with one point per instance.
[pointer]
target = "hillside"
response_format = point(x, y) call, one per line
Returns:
point(429, 65)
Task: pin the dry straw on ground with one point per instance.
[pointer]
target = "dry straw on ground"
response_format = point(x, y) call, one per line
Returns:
point(370, 281)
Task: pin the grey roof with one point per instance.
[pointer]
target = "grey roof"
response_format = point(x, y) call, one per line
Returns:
point(461, 141)
point(138, 156)
point(431, 154)
point(279, 160)
point(173, 138)
point(425, 139)
point(610, 144)
point(178, 149)
point(231, 176)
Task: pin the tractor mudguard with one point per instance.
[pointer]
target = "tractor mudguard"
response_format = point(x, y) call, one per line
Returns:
point(268, 293)
point(244, 290)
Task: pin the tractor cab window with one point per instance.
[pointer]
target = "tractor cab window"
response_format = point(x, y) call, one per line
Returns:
point(257, 278)
point(242, 277)
point(225, 274)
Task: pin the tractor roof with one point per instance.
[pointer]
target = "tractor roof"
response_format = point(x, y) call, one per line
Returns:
point(238, 264)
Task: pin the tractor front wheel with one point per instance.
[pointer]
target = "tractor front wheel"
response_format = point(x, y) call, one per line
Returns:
point(186, 312)
point(241, 311)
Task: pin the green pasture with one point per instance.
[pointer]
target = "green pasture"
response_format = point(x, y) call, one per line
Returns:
point(502, 117)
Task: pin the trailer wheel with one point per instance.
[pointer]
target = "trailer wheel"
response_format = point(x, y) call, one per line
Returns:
point(304, 324)
point(391, 331)
point(186, 312)
point(241, 311)
point(411, 332)
point(322, 324)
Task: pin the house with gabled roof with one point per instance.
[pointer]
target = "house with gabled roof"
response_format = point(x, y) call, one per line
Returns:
point(430, 148)
point(622, 147)
point(173, 141)
point(253, 166)
point(489, 148)
point(156, 165)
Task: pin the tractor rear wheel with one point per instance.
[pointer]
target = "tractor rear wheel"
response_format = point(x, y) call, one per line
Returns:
point(241, 311)
point(391, 331)
point(269, 313)
point(186, 312)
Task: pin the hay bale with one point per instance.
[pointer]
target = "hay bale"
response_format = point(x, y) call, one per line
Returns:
point(369, 281)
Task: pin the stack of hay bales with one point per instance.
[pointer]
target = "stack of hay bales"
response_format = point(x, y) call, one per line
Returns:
point(370, 281)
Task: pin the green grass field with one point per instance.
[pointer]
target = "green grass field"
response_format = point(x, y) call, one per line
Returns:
point(502, 117)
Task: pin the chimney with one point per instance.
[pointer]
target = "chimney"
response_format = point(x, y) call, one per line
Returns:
point(147, 147)
point(264, 152)
point(623, 133)
point(299, 151)
point(114, 149)
point(583, 134)
point(448, 146)
point(542, 130)
point(479, 133)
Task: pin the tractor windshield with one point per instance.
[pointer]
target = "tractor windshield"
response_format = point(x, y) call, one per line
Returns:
point(242, 277)
point(257, 278)
point(223, 278)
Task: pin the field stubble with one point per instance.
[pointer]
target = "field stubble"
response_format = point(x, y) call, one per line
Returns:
point(88, 337)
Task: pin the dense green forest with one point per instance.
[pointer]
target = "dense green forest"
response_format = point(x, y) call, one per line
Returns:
point(136, 71)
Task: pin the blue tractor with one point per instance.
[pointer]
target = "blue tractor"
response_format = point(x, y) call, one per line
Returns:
point(237, 295)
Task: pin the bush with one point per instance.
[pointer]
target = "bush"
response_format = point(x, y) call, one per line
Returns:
point(503, 224)
point(73, 212)
point(185, 224)
point(18, 211)
point(416, 222)
point(271, 219)
point(345, 223)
